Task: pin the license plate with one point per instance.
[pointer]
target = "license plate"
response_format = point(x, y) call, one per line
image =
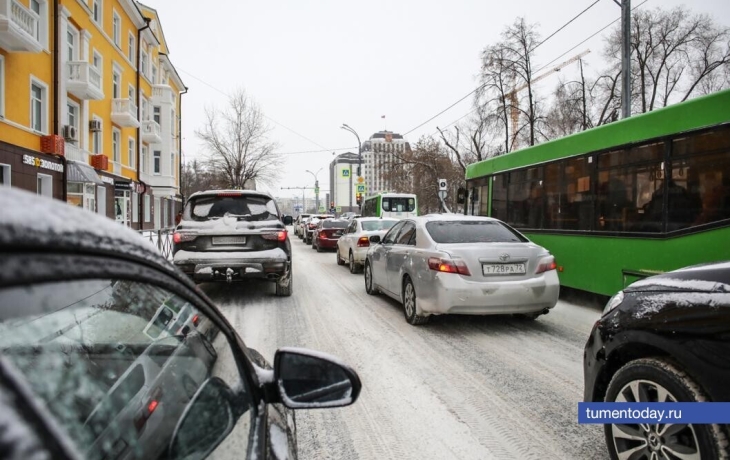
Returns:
point(229, 240)
point(503, 269)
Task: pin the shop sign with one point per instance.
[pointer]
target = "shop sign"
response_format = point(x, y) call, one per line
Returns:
point(107, 180)
point(41, 163)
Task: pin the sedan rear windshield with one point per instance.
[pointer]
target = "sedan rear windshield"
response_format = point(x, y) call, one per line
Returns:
point(375, 225)
point(472, 232)
point(242, 207)
point(334, 224)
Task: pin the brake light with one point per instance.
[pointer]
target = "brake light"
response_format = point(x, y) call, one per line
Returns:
point(448, 266)
point(146, 411)
point(546, 264)
point(279, 236)
point(363, 242)
point(228, 194)
point(196, 320)
point(152, 406)
point(178, 237)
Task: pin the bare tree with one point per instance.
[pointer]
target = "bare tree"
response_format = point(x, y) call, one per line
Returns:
point(196, 177)
point(237, 144)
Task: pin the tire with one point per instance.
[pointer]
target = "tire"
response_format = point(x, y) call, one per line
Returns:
point(409, 304)
point(528, 316)
point(285, 290)
point(354, 268)
point(653, 375)
point(369, 279)
point(319, 248)
point(337, 253)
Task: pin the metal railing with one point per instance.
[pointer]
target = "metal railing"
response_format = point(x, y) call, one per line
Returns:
point(161, 239)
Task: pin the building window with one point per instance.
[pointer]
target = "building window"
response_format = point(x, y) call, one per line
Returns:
point(96, 11)
point(131, 94)
point(72, 43)
point(172, 122)
point(98, 63)
point(73, 115)
point(44, 184)
point(4, 175)
point(96, 139)
point(145, 109)
point(116, 85)
point(2, 87)
point(154, 74)
point(135, 207)
point(130, 47)
point(82, 195)
point(156, 114)
point(157, 161)
point(101, 200)
point(131, 152)
point(38, 106)
point(116, 136)
point(147, 212)
point(143, 63)
point(144, 159)
point(117, 29)
point(172, 164)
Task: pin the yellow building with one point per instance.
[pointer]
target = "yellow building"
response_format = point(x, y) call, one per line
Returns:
point(99, 79)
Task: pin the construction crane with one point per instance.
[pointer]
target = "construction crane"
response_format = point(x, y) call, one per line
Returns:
point(512, 95)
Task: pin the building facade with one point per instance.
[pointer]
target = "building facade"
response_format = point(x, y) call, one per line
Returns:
point(93, 117)
point(379, 154)
point(343, 182)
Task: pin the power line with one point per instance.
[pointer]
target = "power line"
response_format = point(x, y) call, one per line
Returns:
point(482, 86)
point(268, 118)
point(315, 151)
point(566, 25)
point(549, 63)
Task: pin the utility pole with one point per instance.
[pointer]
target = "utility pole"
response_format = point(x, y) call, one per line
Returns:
point(316, 187)
point(625, 57)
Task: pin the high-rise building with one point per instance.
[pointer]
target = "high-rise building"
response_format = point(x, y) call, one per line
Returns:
point(379, 155)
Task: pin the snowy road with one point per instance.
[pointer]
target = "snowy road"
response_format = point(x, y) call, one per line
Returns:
point(457, 388)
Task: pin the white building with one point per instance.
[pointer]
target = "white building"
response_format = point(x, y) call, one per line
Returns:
point(378, 156)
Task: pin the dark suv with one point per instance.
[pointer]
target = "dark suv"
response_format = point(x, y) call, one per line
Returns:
point(230, 235)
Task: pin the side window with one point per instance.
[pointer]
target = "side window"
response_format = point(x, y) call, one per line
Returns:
point(407, 233)
point(118, 364)
point(390, 237)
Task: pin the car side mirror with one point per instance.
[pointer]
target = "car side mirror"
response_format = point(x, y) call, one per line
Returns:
point(307, 379)
point(207, 420)
point(287, 220)
point(375, 239)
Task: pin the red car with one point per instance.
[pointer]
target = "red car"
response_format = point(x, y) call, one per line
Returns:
point(327, 233)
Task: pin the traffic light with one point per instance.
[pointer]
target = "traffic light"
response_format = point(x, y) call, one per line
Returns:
point(358, 198)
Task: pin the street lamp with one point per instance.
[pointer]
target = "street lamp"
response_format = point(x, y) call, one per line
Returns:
point(359, 148)
point(316, 188)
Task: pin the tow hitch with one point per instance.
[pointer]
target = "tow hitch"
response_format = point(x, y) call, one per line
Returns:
point(229, 275)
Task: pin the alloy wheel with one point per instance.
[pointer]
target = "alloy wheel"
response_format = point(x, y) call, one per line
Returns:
point(409, 300)
point(657, 441)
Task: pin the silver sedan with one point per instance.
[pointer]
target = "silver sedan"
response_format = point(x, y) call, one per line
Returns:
point(449, 263)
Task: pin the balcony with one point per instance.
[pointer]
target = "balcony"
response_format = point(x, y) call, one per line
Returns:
point(161, 94)
point(124, 113)
point(151, 132)
point(84, 80)
point(73, 152)
point(19, 28)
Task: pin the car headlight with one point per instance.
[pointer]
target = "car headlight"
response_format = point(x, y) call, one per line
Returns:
point(614, 302)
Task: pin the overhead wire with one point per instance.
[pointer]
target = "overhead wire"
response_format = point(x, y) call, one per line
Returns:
point(483, 85)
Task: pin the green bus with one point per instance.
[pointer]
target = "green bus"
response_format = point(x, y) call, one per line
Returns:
point(622, 201)
point(395, 205)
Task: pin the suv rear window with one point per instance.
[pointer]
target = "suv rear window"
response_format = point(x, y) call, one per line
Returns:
point(243, 207)
point(472, 232)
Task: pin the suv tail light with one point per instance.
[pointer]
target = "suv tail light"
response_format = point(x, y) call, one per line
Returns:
point(279, 236)
point(448, 266)
point(179, 237)
point(148, 409)
point(363, 242)
point(546, 264)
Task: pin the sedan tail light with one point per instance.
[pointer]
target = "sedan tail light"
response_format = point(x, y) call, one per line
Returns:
point(546, 264)
point(448, 266)
point(179, 237)
point(276, 236)
point(363, 242)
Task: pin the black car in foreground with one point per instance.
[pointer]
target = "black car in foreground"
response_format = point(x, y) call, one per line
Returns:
point(664, 339)
point(107, 351)
point(231, 235)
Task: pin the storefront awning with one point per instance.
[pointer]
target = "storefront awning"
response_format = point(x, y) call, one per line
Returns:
point(82, 172)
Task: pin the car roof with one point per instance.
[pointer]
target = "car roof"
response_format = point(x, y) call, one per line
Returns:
point(232, 191)
point(39, 224)
point(370, 219)
point(452, 218)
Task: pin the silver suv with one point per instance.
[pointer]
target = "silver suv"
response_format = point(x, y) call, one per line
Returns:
point(230, 235)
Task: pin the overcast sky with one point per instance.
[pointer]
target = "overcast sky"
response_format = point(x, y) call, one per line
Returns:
point(312, 65)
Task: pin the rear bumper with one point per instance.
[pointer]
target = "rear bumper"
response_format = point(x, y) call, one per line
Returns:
point(222, 266)
point(328, 243)
point(453, 294)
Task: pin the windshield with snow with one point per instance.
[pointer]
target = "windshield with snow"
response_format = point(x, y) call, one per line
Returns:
point(241, 207)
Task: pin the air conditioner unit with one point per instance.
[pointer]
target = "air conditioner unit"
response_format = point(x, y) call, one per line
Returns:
point(95, 126)
point(69, 133)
